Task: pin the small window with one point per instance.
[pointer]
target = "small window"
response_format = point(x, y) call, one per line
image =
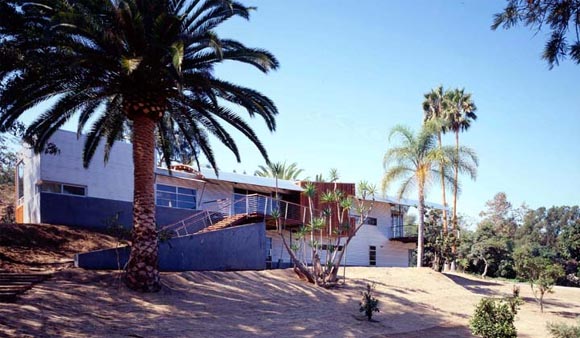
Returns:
point(62, 188)
point(372, 255)
point(20, 182)
point(371, 221)
point(73, 190)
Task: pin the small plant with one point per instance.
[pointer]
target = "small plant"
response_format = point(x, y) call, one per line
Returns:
point(493, 318)
point(369, 304)
point(515, 300)
point(561, 330)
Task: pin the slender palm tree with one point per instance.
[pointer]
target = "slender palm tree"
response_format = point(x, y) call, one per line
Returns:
point(461, 112)
point(434, 110)
point(280, 170)
point(113, 61)
point(414, 162)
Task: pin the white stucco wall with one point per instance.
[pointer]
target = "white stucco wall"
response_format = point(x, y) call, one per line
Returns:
point(111, 180)
point(31, 170)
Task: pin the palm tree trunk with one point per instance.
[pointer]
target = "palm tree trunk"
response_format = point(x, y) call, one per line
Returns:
point(443, 188)
point(420, 232)
point(455, 188)
point(142, 273)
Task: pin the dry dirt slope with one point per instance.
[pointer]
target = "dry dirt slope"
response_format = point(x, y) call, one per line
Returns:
point(414, 303)
point(43, 246)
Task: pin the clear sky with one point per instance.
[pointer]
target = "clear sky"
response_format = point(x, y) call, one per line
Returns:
point(351, 70)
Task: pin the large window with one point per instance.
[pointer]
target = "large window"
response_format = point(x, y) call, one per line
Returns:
point(372, 255)
point(175, 197)
point(63, 188)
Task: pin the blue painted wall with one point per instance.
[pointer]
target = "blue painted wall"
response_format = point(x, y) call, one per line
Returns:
point(90, 212)
point(236, 248)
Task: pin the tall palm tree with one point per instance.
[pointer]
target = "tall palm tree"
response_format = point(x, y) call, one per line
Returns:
point(414, 162)
point(280, 170)
point(434, 110)
point(461, 112)
point(109, 62)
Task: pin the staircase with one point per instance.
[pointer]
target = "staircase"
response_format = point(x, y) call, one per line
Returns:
point(229, 222)
point(14, 284)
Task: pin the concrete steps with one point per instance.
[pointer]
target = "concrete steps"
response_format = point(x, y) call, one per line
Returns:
point(14, 284)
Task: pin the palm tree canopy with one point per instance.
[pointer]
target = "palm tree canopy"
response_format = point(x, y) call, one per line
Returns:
point(105, 61)
point(280, 170)
point(414, 160)
point(461, 110)
point(435, 106)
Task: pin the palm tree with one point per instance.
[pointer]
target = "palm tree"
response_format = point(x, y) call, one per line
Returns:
point(413, 161)
point(280, 170)
point(434, 110)
point(138, 61)
point(461, 112)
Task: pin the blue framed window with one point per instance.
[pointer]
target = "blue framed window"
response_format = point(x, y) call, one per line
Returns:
point(176, 197)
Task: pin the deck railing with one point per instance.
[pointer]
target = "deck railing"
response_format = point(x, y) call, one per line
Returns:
point(404, 231)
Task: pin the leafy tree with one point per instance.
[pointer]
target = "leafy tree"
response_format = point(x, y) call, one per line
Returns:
point(540, 272)
point(435, 107)
point(280, 170)
point(559, 16)
point(460, 114)
point(569, 237)
point(500, 214)
point(414, 161)
point(137, 61)
point(493, 250)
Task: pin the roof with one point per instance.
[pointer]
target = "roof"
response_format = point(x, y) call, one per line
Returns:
point(269, 182)
point(408, 202)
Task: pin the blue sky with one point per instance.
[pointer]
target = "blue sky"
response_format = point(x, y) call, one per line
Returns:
point(351, 70)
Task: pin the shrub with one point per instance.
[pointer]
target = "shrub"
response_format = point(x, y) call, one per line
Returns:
point(560, 330)
point(369, 303)
point(493, 318)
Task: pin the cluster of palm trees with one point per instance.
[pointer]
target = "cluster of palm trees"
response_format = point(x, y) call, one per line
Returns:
point(420, 159)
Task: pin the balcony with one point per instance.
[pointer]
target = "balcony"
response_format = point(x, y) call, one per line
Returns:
point(404, 233)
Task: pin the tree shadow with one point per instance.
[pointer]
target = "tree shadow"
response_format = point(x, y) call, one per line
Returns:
point(477, 286)
point(215, 304)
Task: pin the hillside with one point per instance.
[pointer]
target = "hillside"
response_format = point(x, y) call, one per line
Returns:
point(45, 246)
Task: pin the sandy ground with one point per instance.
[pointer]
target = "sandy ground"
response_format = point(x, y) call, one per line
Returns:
point(413, 303)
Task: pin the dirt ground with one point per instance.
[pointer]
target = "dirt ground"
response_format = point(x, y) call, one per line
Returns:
point(46, 246)
point(413, 303)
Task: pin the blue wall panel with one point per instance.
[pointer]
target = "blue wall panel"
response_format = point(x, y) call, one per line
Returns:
point(90, 212)
point(236, 248)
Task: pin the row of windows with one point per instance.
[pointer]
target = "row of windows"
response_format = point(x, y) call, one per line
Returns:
point(176, 197)
point(63, 188)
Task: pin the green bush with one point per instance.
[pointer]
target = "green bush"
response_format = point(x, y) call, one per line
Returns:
point(493, 318)
point(560, 330)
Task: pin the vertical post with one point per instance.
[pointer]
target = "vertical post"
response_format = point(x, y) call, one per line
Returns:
point(247, 205)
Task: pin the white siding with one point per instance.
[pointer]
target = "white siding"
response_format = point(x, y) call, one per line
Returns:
point(113, 180)
point(389, 253)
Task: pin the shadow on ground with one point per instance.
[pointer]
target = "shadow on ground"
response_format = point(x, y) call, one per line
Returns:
point(77, 303)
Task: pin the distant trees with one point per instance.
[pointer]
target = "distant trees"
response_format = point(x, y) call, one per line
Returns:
point(511, 242)
point(560, 17)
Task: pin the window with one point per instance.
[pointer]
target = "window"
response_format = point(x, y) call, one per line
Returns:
point(63, 188)
point(176, 197)
point(371, 221)
point(372, 255)
point(20, 182)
